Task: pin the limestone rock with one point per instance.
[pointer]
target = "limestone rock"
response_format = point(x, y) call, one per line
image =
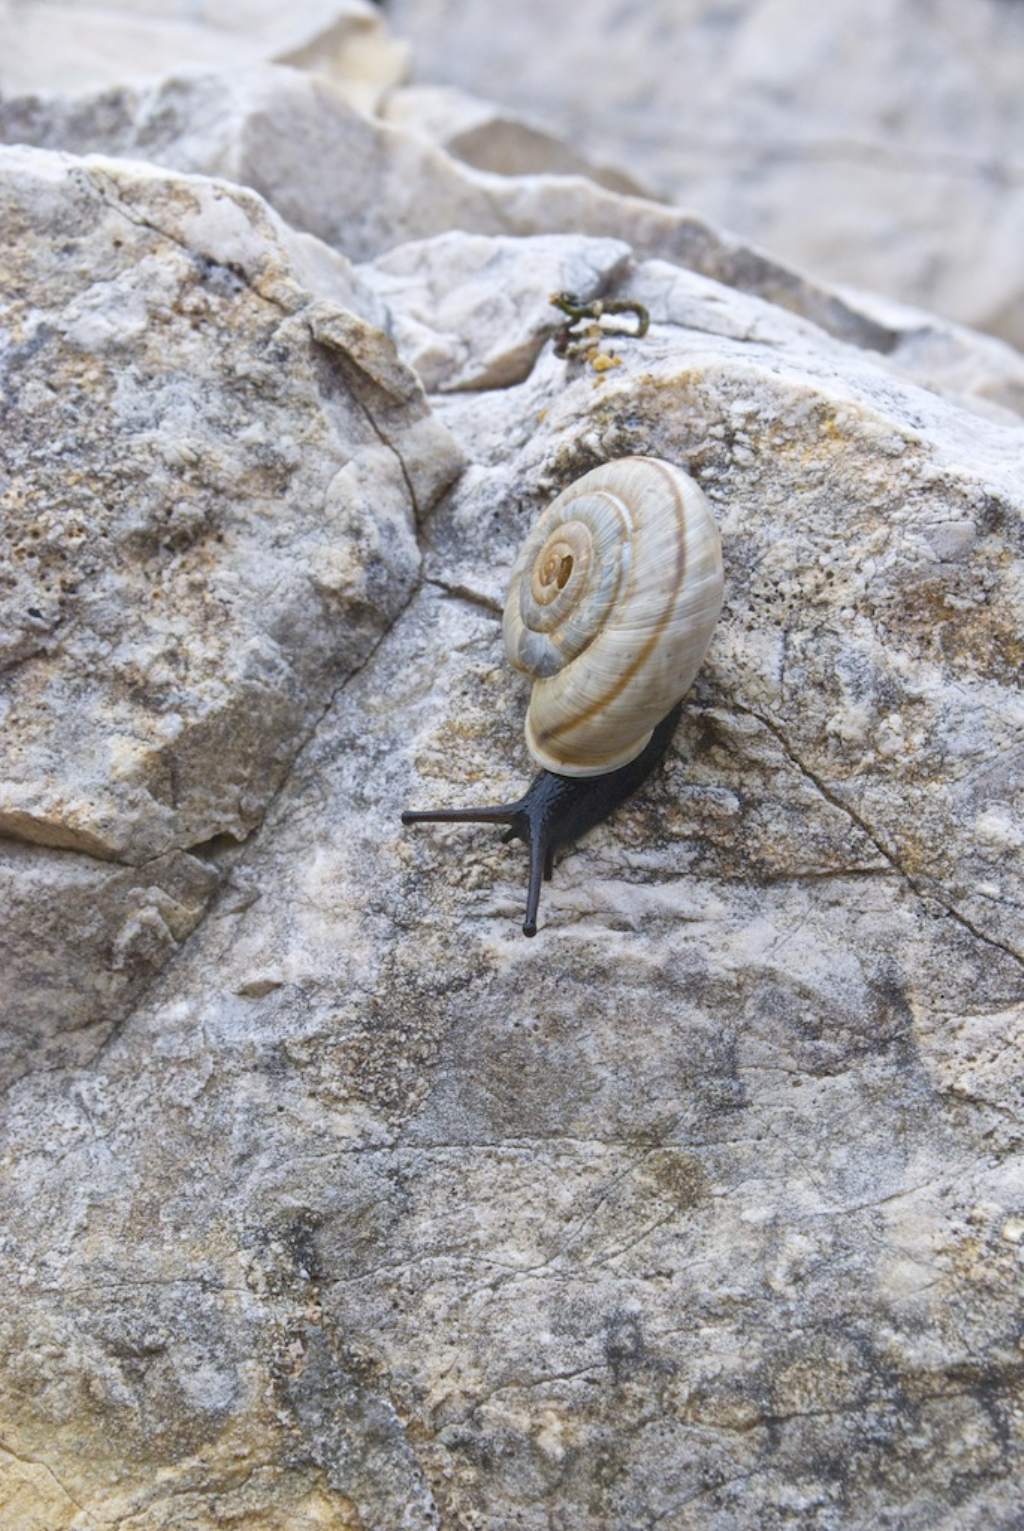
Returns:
point(475, 312)
point(883, 603)
point(862, 141)
point(364, 186)
point(210, 463)
point(701, 1209)
point(985, 373)
point(329, 1200)
point(82, 939)
point(483, 135)
point(207, 504)
point(469, 311)
point(72, 46)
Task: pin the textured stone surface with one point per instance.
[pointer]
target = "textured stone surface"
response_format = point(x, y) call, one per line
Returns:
point(365, 186)
point(876, 143)
point(469, 311)
point(194, 444)
point(474, 312)
point(208, 457)
point(903, 604)
point(81, 940)
point(327, 1199)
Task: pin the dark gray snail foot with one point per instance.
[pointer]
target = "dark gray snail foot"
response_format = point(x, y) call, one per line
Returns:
point(557, 810)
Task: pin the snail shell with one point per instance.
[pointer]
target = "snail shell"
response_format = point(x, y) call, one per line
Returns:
point(611, 607)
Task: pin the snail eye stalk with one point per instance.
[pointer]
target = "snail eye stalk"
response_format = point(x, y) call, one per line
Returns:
point(557, 810)
point(526, 822)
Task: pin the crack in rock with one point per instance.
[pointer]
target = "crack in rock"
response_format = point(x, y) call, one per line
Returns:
point(923, 888)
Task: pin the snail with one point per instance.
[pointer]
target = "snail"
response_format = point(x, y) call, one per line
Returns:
point(611, 606)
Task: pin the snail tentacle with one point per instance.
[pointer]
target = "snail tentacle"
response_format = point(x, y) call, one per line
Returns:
point(500, 813)
point(557, 810)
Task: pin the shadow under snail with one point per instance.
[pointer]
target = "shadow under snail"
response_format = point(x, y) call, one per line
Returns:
point(610, 608)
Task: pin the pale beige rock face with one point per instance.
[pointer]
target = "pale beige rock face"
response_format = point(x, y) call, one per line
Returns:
point(82, 939)
point(340, 1204)
point(481, 134)
point(486, 328)
point(868, 141)
point(209, 478)
point(72, 46)
point(364, 186)
point(456, 333)
point(208, 505)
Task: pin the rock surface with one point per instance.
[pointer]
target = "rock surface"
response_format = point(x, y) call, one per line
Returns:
point(211, 459)
point(365, 186)
point(874, 143)
point(329, 1200)
point(72, 46)
point(481, 134)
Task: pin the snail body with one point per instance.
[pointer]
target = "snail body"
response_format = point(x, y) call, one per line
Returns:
point(611, 606)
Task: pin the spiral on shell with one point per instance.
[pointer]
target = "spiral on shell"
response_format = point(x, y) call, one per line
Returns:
point(611, 606)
